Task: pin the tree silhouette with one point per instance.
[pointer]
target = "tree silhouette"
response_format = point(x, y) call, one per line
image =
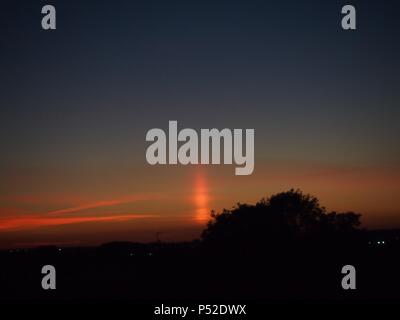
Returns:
point(282, 218)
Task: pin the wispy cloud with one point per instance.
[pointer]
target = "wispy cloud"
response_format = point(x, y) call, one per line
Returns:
point(106, 203)
point(17, 219)
point(31, 222)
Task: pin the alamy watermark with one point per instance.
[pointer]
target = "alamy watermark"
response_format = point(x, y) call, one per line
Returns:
point(188, 147)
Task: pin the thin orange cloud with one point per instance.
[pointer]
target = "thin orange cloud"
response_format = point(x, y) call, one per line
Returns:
point(107, 203)
point(36, 221)
point(16, 219)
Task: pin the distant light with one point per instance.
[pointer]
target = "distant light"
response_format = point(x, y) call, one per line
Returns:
point(383, 242)
point(59, 249)
point(131, 254)
point(150, 254)
point(379, 242)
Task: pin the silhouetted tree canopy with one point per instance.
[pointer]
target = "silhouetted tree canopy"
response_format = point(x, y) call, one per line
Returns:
point(284, 217)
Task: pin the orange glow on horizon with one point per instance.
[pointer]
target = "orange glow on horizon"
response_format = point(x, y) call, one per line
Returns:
point(182, 207)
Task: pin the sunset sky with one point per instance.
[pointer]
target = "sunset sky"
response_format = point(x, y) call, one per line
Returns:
point(76, 104)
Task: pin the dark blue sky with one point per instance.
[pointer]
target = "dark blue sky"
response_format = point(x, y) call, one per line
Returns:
point(113, 70)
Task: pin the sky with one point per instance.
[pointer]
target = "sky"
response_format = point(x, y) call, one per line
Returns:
point(76, 104)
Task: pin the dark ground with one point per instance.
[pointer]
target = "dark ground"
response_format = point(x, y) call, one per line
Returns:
point(189, 271)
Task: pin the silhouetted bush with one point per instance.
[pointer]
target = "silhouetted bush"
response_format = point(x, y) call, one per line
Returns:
point(280, 219)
